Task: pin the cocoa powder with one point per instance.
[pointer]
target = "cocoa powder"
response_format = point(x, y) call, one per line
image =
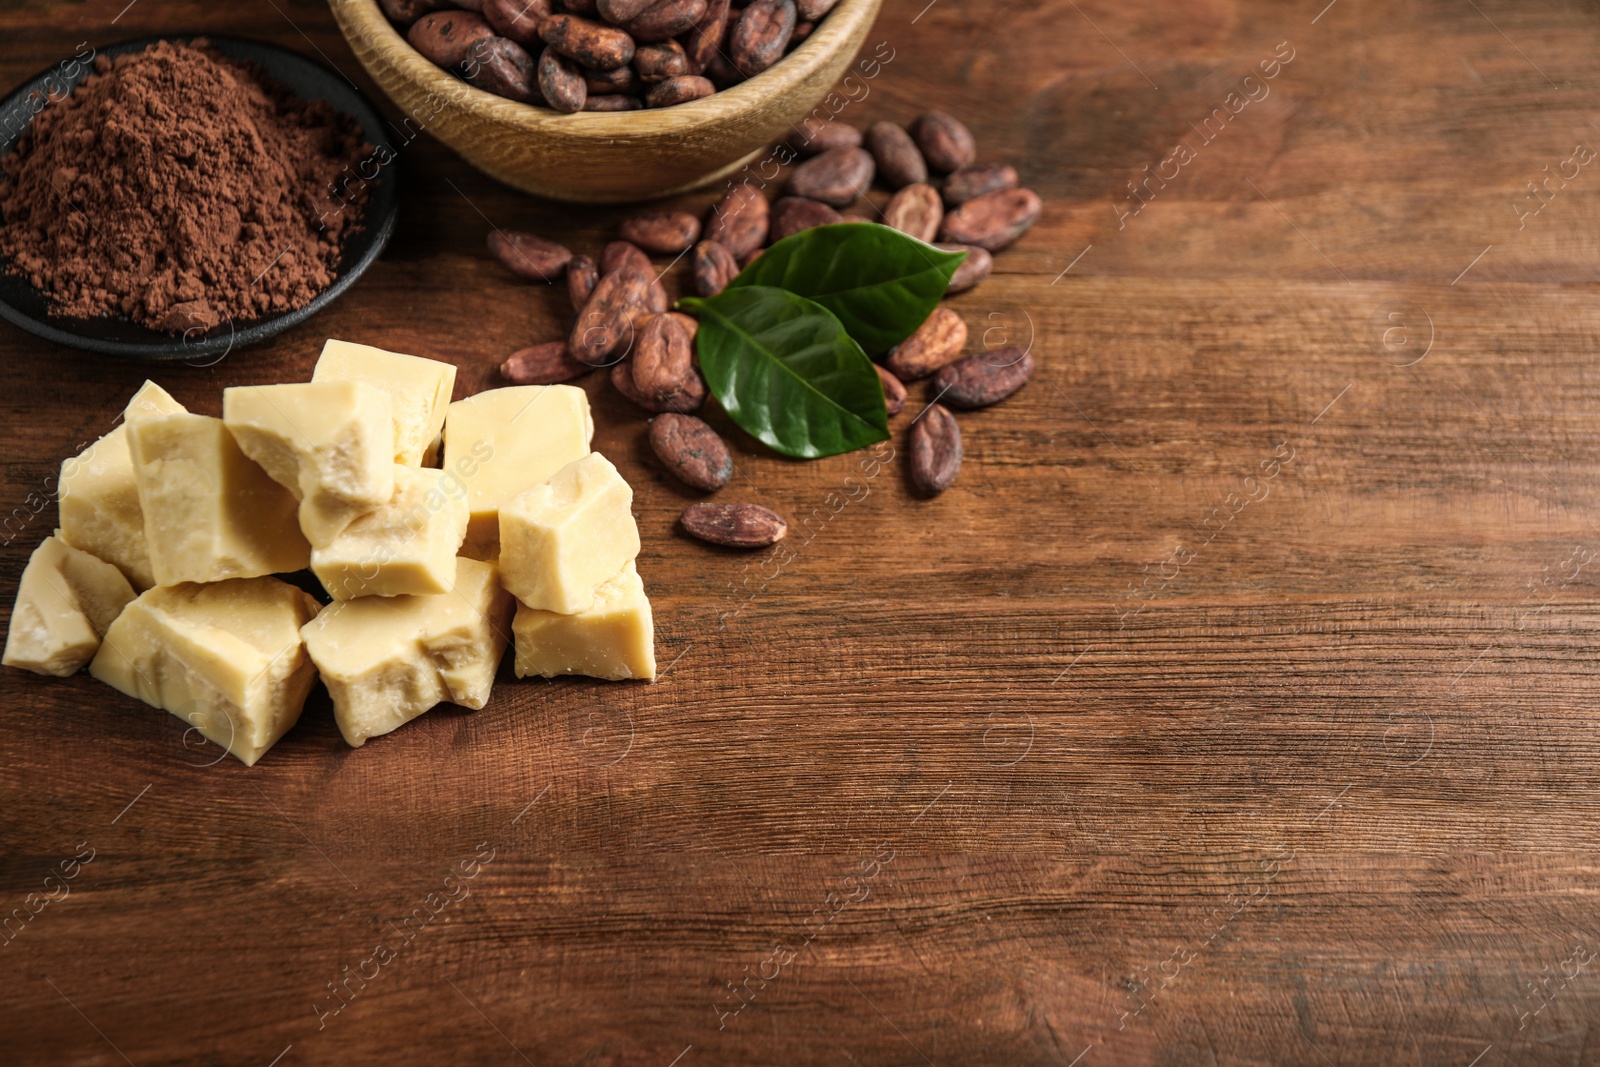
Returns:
point(183, 189)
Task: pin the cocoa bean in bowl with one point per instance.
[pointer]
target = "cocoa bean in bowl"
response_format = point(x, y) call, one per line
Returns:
point(616, 101)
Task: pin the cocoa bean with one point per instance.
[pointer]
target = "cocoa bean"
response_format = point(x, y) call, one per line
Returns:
point(592, 44)
point(974, 269)
point(617, 253)
point(791, 214)
point(760, 36)
point(605, 326)
point(916, 210)
point(665, 19)
point(690, 324)
point(945, 141)
point(546, 364)
point(617, 12)
point(662, 358)
point(969, 183)
point(586, 8)
point(612, 102)
point(405, 12)
point(582, 274)
point(503, 67)
point(739, 221)
point(935, 450)
point(606, 82)
point(561, 82)
point(984, 379)
point(689, 399)
point(993, 220)
point(900, 162)
point(938, 341)
point(734, 525)
point(714, 268)
point(529, 256)
point(812, 10)
point(816, 135)
point(692, 451)
point(838, 176)
point(705, 40)
point(679, 90)
point(519, 20)
point(447, 37)
point(665, 233)
point(802, 30)
point(658, 62)
point(719, 68)
point(894, 390)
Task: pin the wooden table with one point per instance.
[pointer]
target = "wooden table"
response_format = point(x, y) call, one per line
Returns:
point(1237, 706)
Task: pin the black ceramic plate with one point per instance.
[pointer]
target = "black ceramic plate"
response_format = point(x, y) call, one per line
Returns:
point(22, 304)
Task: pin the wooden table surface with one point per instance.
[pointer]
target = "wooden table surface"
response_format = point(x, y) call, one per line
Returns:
point(1237, 706)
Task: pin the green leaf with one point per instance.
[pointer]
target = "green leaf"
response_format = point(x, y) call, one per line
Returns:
point(880, 283)
point(784, 368)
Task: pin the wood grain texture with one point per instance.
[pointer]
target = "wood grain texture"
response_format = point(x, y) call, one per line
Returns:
point(1124, 770)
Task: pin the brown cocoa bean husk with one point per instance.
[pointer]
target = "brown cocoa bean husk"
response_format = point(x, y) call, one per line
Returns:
point(679, 90)
point(617, 12)
point(519, 20)
point(590, 43)
point(606, 82)
point(582, 274)
point(447, 37)
point(969, 183)
point(974, 269)
point(791, 214)
point(916, 210)
point(900, 162)
point(662, 358)
point(561, 82)
point(984, 379)
point(529, 256)
point(937, 342)
point(503, 67)
point(546, 364)
point(605, 325)
point(812, 10)
point(665, 19)
point(617, 253)
point(734, 525)
point(935, 450)
point(814, 135)
point(739, 220)
point(894, 390)
point(705, 40)
point(665, 233)
point(761, 35)
point(612, 102)
point(690, 399)
point(692, 451)
point(658, 62)
point(837, 177)
point(714, 268)
point(405, 12)
point(945, 141)
point(993, 220)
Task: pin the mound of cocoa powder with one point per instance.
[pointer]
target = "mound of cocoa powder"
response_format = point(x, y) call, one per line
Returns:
point(180, 188)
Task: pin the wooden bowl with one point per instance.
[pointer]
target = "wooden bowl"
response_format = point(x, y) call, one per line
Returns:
point(593, 157)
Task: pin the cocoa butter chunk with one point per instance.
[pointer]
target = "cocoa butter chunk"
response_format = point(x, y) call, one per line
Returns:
point(65, 602)
point(734, 525)
point(419, 392)
point(613, 639)
point(563, 539)
point(406, 546)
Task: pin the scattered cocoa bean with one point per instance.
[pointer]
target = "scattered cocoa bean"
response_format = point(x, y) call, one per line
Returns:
point(816, 135)
point(984, 379)
point(689, 323)
point(894, 390)
point(592, 44)
point(679, 90)
point(714, 268)
point(945, 141)
point(658, 62)
point(561, 82)
point(546, 364)
point(916, 210)
point(605, 82)
point(617, 253)
point(838, 176)
point(734, 525)
point(665, 19)
point(791, 214)
point(503, 67)
point(612, 102)
point(582, 274)
point(605, 325)
point(692, 451)
point(993, 220)
point(937, 342)
point(900, 162)
point(665, 233)
point(740, 219)
point(519, 20)
point(662, 358)
point(528, 256)
point(760, 36)
point(690, 399)
point(935, 450)
point(447, 37)
point(969, 183)
point(974, 269)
